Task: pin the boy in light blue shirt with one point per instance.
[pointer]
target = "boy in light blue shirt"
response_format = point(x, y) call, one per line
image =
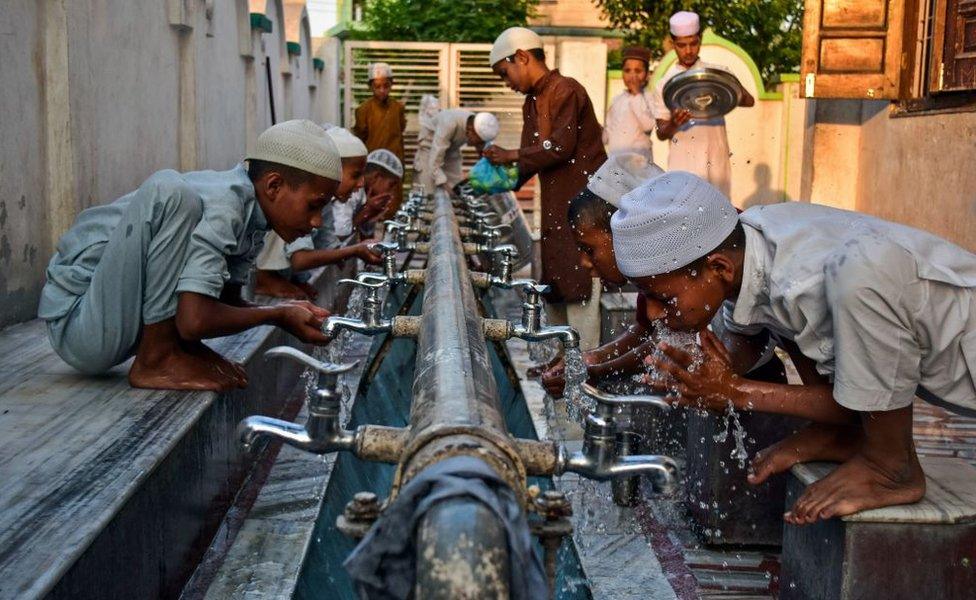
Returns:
point(160, 269)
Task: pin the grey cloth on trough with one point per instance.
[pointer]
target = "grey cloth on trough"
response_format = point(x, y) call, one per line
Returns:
point(383, 564)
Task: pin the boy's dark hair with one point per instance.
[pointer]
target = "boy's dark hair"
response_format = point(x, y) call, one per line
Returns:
point(536, 53)
point(591, 210)
point(735, 241)
point(293, 177)
point(470, 119)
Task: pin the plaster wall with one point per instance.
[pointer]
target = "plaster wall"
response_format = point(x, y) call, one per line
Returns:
point(98, 95)
point(23, 212)
point(919, 170)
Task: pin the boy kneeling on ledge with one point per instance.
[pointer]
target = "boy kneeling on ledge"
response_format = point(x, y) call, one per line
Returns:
point(884, 311)
point(160, 269)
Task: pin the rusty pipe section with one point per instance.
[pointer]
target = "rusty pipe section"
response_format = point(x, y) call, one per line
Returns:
point(455, 406)
point(456, 412)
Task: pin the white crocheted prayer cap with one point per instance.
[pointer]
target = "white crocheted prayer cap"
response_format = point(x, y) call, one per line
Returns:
point(346, 141)
point(685, 23)
point(301, 144)
point(380, 69)
point(386, 159)
point(668, 223)
point(512, 40)
point(486, 125)
point(621, 173)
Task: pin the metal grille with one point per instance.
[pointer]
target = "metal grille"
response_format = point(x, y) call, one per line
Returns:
point(458, 74)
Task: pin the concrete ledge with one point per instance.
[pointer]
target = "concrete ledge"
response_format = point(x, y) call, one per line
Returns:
point(110, 491)
point(895, 552)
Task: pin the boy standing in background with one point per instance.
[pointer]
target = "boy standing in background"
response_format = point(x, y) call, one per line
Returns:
point(562, 144)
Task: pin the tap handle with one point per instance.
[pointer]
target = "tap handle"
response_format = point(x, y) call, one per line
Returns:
point(533, 289)
point(395, 224)
point(498, 229)
point(370, 281)
point(384, 248)
point(326, 368)
point(631, 400)
point(506, 250)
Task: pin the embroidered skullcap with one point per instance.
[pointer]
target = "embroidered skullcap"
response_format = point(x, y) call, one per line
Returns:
point(668, 223)
point(620, 174)
point(512, 40)
point(301, 144)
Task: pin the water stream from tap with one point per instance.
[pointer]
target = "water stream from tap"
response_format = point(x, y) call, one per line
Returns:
point(544, 351)
point(578, 404)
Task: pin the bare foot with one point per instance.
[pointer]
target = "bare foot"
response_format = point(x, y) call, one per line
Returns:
point(162, 363)
point(884, 472)
point(177, 370)
point(858, 484)
point(227, 368)
point(269, 283)
point(836, 443)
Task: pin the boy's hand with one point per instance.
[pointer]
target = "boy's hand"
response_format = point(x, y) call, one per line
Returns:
point(378, 203)
point(500, 156)
point(711, 386)
point(363, 253)
point(304, 320)
point(680, 117)
point(554, 380)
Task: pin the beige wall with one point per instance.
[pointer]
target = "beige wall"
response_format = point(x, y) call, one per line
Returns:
point(920, 170)
point(99, 95)
point(569, 13)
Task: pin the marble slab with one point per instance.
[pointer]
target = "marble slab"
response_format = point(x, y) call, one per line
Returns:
point(950, 493)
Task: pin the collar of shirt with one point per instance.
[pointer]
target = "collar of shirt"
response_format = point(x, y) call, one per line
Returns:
point(754, 290)
point(540, 85)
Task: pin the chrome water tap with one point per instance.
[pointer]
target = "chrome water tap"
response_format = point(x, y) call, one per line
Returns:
point(321, 433)
point(531, 329)
point(388, 250)
point(371, 322)
point(600, 459)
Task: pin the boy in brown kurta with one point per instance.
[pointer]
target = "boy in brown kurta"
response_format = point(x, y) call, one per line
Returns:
point(562, 144)
point(381, 120)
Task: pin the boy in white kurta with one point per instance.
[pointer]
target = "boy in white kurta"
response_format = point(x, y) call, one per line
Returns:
point(697, 146)
point(630, 118)
point(884, 312)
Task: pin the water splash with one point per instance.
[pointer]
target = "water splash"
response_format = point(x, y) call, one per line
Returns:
point(544, 351)
point(578, 404)
point(682, 340)
point(730, 422)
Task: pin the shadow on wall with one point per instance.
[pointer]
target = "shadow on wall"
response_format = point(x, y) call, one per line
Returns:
point(763, 194)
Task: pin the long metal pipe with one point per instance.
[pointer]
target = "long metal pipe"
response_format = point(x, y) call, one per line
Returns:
point(456, 411)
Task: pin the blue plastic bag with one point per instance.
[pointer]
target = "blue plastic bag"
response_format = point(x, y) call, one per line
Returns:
point(487, 178)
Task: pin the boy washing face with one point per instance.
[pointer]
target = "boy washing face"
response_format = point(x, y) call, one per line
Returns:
point(279, 264)
point(589, 217)
point(159, 270)
point(884, 311)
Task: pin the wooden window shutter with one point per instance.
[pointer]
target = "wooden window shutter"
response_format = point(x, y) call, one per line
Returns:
point(955, 57)
point(855, 49)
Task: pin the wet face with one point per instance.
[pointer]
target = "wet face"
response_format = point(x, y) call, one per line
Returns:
point(352, 177)
point(294, 210)
point(688, 298)
point(635, 75)
point(381, 86)
point(596, 249)
point(514, 71)
point(687, 48)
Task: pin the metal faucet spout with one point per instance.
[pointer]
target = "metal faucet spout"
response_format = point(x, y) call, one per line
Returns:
point(567, 335)
point(255, 428)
